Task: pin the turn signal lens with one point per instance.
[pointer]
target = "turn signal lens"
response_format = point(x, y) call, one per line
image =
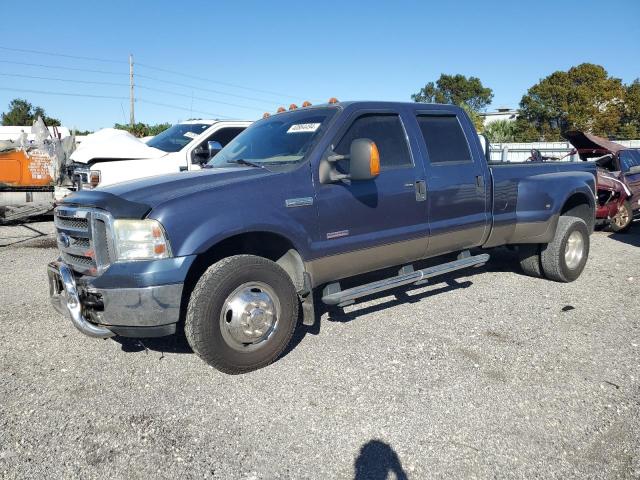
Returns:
point(94, 178)
point(374, 160)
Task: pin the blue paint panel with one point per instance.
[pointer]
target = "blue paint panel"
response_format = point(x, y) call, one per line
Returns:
point(145, 273)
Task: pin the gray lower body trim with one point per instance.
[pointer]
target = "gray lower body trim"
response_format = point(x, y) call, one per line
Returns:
point(343, 265)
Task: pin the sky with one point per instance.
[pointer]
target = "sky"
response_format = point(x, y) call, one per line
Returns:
point(238, 59)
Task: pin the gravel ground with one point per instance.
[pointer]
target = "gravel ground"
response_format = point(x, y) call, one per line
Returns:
point(488, 374)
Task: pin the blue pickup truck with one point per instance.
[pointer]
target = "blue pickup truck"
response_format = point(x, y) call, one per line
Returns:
point(297, 203)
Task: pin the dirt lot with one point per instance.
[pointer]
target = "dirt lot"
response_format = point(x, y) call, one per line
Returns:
point(487, 374)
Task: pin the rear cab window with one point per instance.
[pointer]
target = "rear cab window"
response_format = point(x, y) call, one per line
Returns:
point(444, 138)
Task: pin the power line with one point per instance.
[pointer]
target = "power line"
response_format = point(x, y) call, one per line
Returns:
point(193, 87)
point(105, 72)
point(216, 115)
point(197, 98)
point(88, 82)
point(110, 97)
point(45, 92)
point(40, 52)
point(168, 92)
point(165, 70)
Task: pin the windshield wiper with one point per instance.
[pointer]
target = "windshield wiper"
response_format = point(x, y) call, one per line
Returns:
point(242, 161)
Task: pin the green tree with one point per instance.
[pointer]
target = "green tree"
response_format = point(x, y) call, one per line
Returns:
point(585, 98)
point(501, 131)
point(23, 113)
point(456, 90)
point(630, 124)
point(143, 129)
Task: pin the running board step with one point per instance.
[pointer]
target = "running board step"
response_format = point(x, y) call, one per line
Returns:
point(346, 297)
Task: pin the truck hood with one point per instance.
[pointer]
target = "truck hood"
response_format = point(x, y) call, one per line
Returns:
point(134, 199)
point(113, 144)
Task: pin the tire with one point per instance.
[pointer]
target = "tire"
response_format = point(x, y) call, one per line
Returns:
point(558, 263)
point(228, 323)
point(622, 220)
point(529, 255)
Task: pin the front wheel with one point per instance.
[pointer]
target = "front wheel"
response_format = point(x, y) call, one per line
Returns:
point(621, 221)
point(564, 258)
point(242, 314)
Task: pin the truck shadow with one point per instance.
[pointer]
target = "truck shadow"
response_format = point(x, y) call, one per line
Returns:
point(502, 260)
point(632, 237)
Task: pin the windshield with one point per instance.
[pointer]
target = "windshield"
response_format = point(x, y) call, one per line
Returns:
point(282, 139)
point(175, 138)
point(629, 158)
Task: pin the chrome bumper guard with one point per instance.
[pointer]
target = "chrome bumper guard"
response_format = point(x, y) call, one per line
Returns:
point(65, 299)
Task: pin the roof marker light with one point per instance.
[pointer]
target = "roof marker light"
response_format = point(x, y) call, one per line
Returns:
point(266, 115)
point(306, 103)
point(333, 100)
point(281, 109)
point(293, 106)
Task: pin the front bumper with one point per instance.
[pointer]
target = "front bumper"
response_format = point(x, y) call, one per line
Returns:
point(148, 311)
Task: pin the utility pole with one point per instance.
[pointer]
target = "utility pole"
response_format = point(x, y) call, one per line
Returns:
point(132, 118)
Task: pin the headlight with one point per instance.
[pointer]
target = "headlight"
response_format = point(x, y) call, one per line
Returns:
point(140, 240)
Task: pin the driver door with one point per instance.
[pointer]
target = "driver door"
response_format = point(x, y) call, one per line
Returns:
point(371, 224)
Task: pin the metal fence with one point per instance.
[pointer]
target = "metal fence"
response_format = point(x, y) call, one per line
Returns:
point(520, 152)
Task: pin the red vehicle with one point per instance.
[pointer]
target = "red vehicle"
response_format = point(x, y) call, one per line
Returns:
point(618, 178)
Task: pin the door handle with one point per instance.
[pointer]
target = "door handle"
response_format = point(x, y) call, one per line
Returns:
point(479, 181)
point(421, 190)
point(184, 169)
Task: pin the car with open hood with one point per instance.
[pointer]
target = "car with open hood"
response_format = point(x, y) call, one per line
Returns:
point(618, 177)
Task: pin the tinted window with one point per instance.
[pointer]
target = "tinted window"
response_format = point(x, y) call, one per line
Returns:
point(629, 158)
point(225, 135)
point(175, 138)
point(444, 138)
point(281, 139)
point(387, 133)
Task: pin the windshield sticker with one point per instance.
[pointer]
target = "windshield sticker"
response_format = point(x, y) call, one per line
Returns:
point(303, 127)
point(191, 135)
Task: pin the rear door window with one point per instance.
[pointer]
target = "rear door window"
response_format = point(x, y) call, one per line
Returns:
point(444, 138)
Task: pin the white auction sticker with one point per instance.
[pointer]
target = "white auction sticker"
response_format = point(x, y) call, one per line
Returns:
point(190, 134)
point(303, 127)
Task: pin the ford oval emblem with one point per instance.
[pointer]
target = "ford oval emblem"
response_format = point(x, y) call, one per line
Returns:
point(64, 240)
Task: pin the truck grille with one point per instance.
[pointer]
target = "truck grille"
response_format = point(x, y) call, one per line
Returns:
point(84, 238)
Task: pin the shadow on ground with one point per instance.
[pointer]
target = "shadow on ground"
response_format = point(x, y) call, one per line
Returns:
point(631, 237)
point(376, 461)
point(502, 260)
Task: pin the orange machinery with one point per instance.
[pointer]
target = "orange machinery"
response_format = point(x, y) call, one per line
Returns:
point(21, 171)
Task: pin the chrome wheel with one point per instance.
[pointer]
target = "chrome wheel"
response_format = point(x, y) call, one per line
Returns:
point(249, 316)
point(574, 250)
point(621, 219)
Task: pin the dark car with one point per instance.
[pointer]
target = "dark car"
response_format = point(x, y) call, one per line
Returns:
point(618, 177)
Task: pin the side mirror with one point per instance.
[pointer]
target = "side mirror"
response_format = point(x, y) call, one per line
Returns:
point(364, 163)
point(199, 155)
point(214, 147)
